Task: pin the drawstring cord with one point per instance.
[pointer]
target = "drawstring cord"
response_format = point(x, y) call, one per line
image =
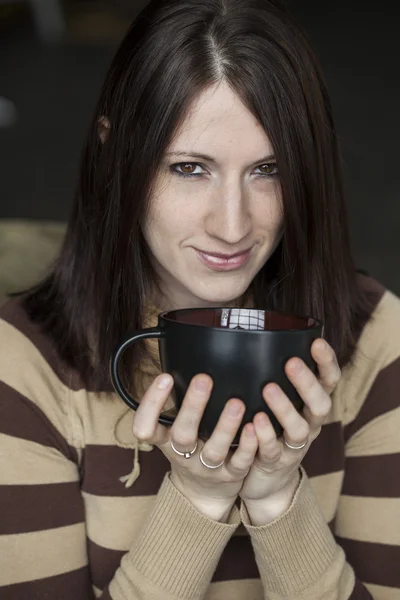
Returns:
point(136, 446)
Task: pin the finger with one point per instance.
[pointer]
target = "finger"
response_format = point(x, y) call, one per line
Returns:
point(328, 366)
point(270, 448)
point(218, 445)
point(315, 398)
point(145, 424)
point(184, 431)
point(296, 428)
point(243, 457)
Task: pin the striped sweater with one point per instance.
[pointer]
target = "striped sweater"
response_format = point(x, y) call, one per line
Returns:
point(71, 530)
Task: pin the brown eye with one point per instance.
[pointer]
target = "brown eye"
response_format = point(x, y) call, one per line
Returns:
point(269, 169)
point(187, 168)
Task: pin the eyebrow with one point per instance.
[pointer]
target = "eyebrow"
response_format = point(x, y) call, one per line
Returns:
point(211, 159)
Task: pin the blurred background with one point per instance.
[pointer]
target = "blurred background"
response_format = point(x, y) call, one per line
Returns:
point(54, 54)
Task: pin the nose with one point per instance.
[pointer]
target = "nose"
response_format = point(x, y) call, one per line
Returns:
point(229, 216)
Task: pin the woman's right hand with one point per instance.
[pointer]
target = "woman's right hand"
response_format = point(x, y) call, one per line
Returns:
point(211, 491)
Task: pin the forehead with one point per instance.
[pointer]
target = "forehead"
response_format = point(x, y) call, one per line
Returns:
point(218, 120)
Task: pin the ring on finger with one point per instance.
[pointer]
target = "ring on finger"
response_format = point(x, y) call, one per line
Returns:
point(206, 465)
point(292, 447)
point(185, 454)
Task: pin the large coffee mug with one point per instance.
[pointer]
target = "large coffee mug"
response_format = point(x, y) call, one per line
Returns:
point(241, 349)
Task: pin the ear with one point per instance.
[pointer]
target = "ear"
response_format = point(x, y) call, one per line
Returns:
point(104, 126)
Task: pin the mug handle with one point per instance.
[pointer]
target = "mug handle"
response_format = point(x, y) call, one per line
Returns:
point(152, 332)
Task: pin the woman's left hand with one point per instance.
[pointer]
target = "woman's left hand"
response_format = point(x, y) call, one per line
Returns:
point(269, 487)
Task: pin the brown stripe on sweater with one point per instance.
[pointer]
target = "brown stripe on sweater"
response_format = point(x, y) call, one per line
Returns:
point(106, 595)
point(373, 563)
point(360, 592)
point(372, 476)
point(75, 585)
point(116, 462)
point(22, 418)
point(382, 398)
point(326, 454)
point(26, 508)
point(237, 561)
point(103, 563)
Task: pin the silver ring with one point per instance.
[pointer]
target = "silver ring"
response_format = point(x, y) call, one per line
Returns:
point(295, 447)
point(185, 454)
point(209, 466)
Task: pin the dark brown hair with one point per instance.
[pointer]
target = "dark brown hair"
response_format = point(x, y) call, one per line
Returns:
point(172, 52)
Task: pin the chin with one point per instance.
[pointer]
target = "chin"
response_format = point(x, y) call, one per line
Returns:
point(222, 296)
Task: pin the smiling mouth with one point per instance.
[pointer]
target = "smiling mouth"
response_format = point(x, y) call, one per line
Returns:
point(224, 256)
point(224, 262)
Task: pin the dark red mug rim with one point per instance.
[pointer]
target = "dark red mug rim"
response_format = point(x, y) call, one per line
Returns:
point(308, 322)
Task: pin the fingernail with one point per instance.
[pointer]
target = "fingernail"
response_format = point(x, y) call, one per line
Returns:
point(263, 419)
point(164, 381)
point(250, 431)
point(296, 366)
point(202, 385)
point(273, 391)
point(234, 409)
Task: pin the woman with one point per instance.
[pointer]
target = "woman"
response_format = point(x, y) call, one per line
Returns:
point(211, 176)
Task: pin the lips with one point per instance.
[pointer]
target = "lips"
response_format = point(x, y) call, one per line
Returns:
point(225, 256)
point(223, 262)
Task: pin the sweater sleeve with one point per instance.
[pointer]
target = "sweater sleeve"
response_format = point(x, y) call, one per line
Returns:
point(176, 553)
point(299, 557)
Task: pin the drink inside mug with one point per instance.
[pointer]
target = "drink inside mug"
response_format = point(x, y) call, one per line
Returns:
point(242, 350)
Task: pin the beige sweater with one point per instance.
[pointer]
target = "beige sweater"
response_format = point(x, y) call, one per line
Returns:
point(70, 529)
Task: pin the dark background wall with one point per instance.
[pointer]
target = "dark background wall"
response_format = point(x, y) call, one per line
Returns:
point(54, 88)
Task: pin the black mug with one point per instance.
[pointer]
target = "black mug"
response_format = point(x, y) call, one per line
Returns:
point(241, 349)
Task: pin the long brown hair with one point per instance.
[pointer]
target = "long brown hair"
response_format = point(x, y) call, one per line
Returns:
point(173, 51)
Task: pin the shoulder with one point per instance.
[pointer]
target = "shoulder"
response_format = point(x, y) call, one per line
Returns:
point(34, 381)
point(375, 366)
point(379, 339)
point(42, 395)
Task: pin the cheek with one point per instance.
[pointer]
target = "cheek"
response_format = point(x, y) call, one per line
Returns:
point(268, 217)
point(156, 232)
point(166, 227)
point(177, 211)
point(267, 201)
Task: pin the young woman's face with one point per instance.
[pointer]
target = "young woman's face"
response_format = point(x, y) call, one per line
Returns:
point(215, 216)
